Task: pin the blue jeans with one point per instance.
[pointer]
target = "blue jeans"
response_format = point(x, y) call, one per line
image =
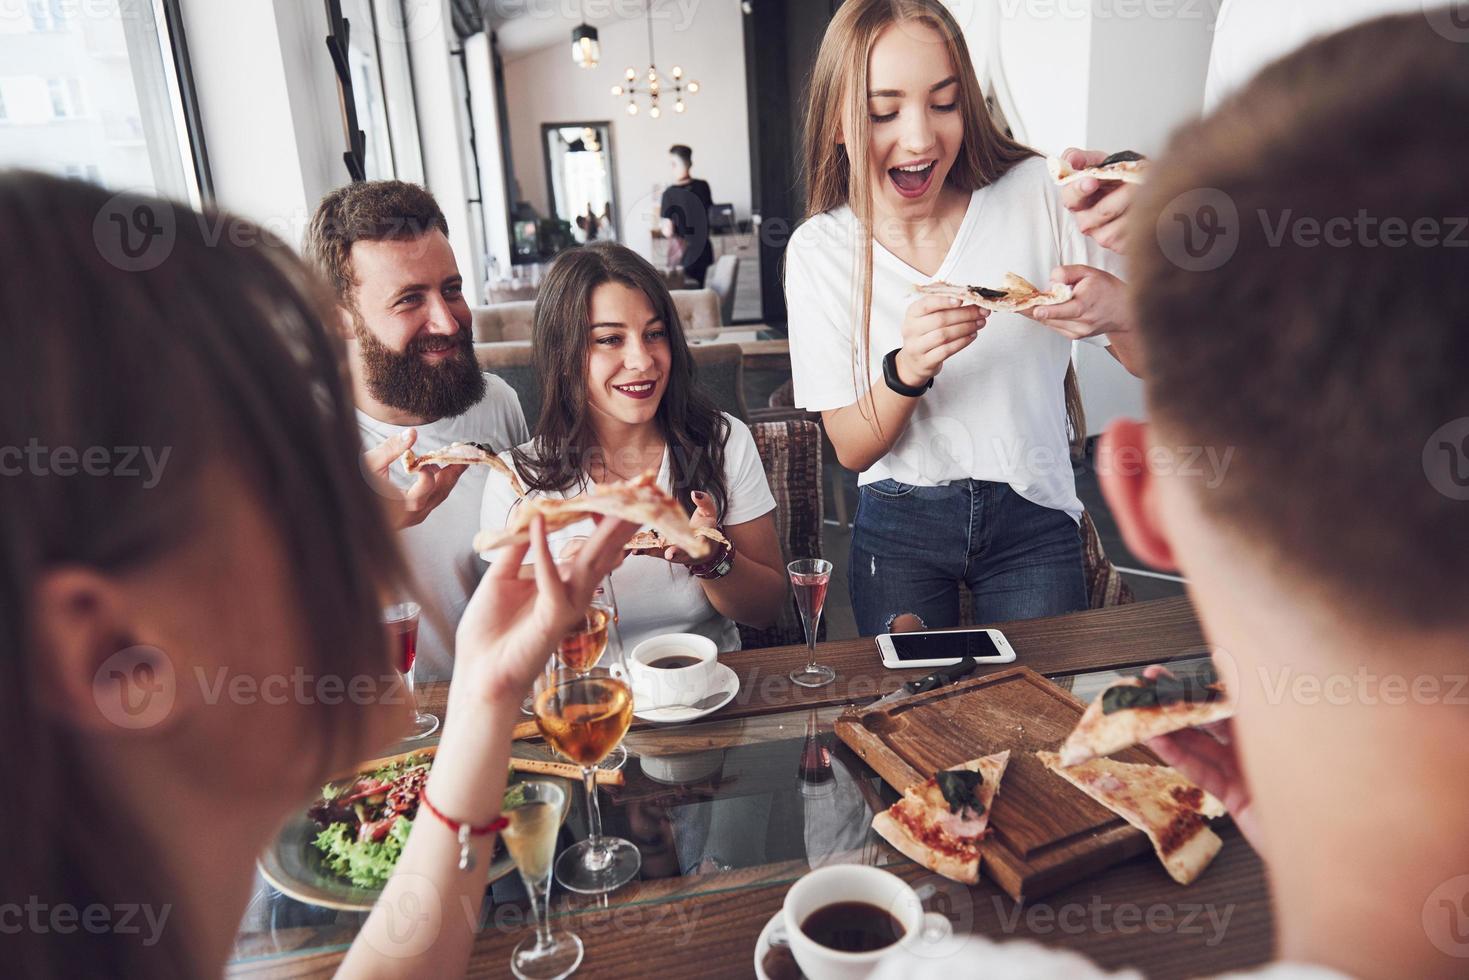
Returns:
point(912, 546)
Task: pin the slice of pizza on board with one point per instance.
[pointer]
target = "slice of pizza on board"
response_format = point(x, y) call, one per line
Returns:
point(1157, 800)
point(941, 822)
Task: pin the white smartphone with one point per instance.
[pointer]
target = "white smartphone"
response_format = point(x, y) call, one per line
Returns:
point(900, 651)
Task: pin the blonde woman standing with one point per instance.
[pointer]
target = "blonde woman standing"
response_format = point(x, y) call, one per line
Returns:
point(965, 475)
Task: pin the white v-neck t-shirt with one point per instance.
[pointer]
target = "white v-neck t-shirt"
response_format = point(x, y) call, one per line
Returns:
point(439, 549)
point(655, 596)
point(997, 411)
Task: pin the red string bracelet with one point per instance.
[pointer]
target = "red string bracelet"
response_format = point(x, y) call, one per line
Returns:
point(464, 830)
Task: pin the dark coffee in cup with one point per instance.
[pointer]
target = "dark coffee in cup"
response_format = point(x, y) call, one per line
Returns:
point(673, 662)
point(852, 927)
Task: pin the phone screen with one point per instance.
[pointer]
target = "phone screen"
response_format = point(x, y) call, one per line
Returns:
point(944, 646)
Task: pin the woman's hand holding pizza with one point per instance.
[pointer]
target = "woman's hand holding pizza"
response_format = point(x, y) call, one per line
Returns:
point(1098, 304)
point(1100, 206)
point(935, 329)
point(704, 515)
point(512, 623)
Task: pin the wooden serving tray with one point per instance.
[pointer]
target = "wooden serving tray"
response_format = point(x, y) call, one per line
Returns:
point(1044, 833)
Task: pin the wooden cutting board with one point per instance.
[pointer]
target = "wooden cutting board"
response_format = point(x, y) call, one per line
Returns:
point(1044, 833)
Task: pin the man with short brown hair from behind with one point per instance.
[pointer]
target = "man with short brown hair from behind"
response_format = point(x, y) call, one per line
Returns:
point(384, 249)
point(1299, 276)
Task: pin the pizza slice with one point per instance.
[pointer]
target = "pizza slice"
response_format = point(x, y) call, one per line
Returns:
point(1126, 166)
point(463, 454)
point(941, 821)
point(651, 542)
point(1156, 800)
point(640, 500)
point(1135, 709)
point(1017, 296)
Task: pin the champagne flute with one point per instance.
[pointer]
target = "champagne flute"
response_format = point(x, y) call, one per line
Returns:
point(401, 621)
point(583, 715)
point(531, 840)
point(809, 579)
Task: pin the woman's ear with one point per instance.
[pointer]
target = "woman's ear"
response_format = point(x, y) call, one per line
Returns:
point(94, 674)
point(1131, 489)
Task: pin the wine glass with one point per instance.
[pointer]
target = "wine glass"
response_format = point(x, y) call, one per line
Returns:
point(531, 840)
point(401, 621)
point(603, 605)
point(809, 579)
point(583, 714)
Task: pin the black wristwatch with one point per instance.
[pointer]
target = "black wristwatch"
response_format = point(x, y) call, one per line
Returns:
point(890, 375)
point(718, 565)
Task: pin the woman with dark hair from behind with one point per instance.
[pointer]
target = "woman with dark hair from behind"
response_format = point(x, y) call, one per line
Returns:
point(620, 398)
point(218, 526)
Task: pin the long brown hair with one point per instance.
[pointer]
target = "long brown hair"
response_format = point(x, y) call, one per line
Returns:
point(837, 173)
point(213, 345)
point(692, 426)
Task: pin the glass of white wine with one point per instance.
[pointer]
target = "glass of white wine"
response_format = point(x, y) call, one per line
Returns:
point(531, 840)
point(583, 714)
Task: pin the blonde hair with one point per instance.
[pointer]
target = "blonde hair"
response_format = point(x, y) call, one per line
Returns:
point(838, 104)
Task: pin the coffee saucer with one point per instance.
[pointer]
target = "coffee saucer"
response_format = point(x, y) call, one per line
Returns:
point(762, 945)
point(726, 686)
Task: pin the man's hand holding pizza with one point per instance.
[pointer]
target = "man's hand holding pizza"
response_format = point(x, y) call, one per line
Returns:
point(430, 487)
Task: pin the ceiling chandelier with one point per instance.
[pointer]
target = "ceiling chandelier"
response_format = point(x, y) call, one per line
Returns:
point(651, 86)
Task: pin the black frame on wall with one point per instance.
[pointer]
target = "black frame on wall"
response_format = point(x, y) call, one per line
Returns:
point(338, 33)
point(601, 125)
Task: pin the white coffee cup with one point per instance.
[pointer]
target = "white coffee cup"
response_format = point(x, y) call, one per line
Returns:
point(855, 883)
point(667, 687)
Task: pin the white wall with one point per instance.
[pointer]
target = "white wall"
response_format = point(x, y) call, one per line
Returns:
point(546, 87)
point(273, 121)
point(1099, 74)
point(244, 82)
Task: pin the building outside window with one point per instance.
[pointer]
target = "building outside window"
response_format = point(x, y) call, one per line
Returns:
point(92, 91)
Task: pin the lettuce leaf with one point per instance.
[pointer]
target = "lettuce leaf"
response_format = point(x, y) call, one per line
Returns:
point(367, 864)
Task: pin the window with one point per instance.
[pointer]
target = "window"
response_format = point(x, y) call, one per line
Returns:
point(376, 52)
point(105, 97)
point(65, 95)
point(47, 15)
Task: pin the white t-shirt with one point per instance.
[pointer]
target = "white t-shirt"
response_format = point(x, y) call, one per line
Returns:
point(655, 596)
point(1250, 34)
point(997, 410)
point(1026, 960)
point(440, 550)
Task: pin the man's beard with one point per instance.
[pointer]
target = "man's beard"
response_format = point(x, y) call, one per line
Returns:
point(410, 384)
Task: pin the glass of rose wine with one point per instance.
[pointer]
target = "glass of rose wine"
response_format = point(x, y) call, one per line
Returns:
point(583, 714)
point(809, 579)
point(531, 840)
point(401, 622)
point(584, 647)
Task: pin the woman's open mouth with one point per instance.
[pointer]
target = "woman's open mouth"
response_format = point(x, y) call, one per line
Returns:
point(913, 180)
point(637, 389)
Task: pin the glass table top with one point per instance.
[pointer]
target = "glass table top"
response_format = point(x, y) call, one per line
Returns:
point(721, 806)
